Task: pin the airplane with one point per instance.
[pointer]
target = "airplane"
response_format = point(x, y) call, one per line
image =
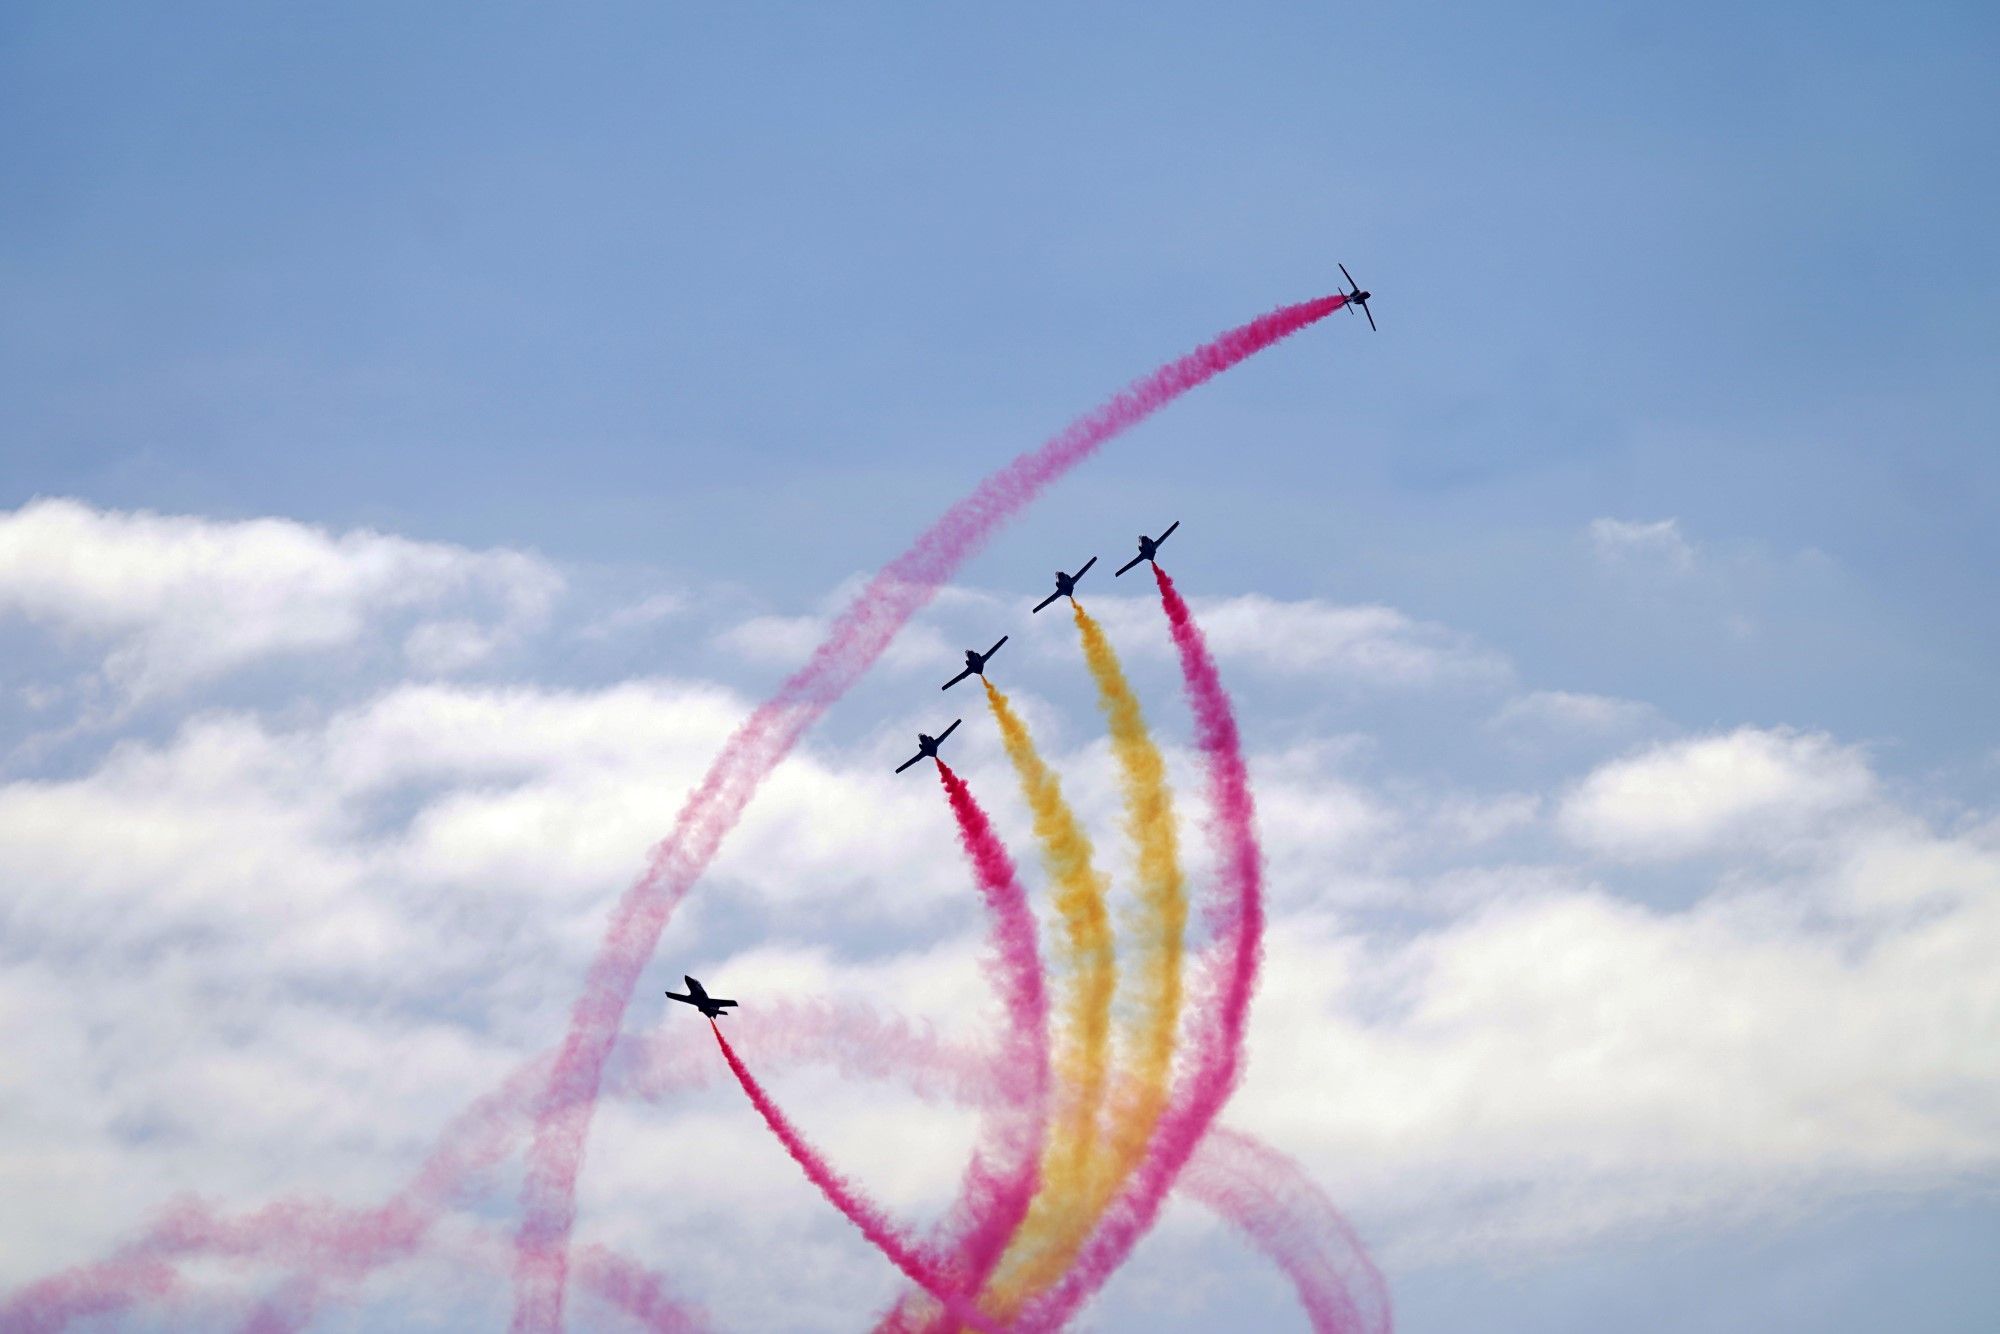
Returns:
point(927, 745)
point(975, 665)
point(1066, 585)
point(712, 1006)
point(1147, 546)
point(1357, 297)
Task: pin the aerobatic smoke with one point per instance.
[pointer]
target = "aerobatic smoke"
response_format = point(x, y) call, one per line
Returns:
point(856, 639)
point(1216, 1038)
point(1265, 1195)
point(556, 1094)
point(1070, 1204)
point(1160, 922)
point(1079, 895)
point(998, 1203)
point(873, 1224)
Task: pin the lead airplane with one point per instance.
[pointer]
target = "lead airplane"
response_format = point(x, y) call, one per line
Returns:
point(1147, 546)
point(712, 1006)
point(1066, 585)
point(975, 665)
point(1357, 297)
point(927, 745)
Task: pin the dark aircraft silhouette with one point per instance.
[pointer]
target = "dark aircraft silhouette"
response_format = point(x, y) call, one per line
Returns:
point(975, 665)
point(1147, 546)
point(927, 745)
point(712, 1006)
point(1066, 585)
point(1357, 297)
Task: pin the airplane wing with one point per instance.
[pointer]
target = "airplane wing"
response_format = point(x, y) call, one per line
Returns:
point(956, 679)
point(1350, 278)
point(1371, 317)
point(1080, 573)
point(1128, 565)
point(949, 730)
point(1169, 533)
point(723, 1004)
point(996, 647)
point(907, 763)
point(1046, 601)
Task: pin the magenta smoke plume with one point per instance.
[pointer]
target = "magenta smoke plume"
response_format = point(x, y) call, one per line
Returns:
point(857, 638)
point(993, 1204)
point(873, 1224)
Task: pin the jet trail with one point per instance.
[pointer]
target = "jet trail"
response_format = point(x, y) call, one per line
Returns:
point(856, 639)
point(1246, 1184)
point(999, 1201)
point(1159, 926)
point(862, 1213)
point(1223, 1010)
point(1161, 920)
point(1079, 895)
point(1268, 1198)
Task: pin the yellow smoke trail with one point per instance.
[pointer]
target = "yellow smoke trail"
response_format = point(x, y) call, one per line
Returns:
point(1041, 1253)
point(1082, 1054)
point(1161, 920)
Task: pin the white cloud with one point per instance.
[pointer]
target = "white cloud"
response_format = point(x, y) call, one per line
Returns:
point(786, 642)
point(646, 612)
point(1655, 545)
point(1571, 713)
point(1370, 646)
point(176, 599)
point(1685, 798)
point(1559, 1063)
point(266, 953)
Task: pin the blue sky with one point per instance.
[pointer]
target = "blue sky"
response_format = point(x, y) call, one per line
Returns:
point(1683, 403)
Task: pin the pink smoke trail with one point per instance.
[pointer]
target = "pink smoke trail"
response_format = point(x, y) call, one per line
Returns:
point(856, 639)
point(1216, 1045)
point(995, 1207)
point(872, 1223)
point(849, 1036)
point(1268, 1198)
point(1251, 1187)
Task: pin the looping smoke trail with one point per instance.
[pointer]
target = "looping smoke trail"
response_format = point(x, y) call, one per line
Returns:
point(1070, 1205)
point(857, 638)
point(1281, 1213)
point(1216, 1039)
point(871, 1222)
point(1266, 1196)
point(572, 1078)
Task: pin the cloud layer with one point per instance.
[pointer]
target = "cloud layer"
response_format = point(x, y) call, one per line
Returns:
point(1681, 976)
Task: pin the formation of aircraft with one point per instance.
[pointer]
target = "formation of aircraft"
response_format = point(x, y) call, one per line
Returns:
point(927, 745)
point(1147, 547)
point(975, 661)
point(712, 1006)
point(975, 664)
point(1066, 584)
